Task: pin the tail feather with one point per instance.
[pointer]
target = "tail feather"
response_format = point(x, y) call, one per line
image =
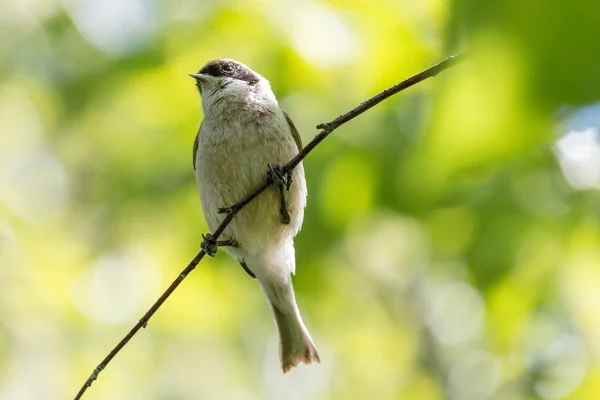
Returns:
point(295, 344)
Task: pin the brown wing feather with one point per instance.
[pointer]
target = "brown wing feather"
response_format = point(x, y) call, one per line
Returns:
point(295, 133)
point(195, 150)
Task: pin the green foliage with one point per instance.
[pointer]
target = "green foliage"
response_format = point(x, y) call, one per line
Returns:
point(443, 254)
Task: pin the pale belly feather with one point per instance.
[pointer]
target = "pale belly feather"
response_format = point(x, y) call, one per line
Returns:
point(229, 166)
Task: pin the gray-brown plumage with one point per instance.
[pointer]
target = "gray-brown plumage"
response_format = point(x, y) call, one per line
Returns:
point(243, 132)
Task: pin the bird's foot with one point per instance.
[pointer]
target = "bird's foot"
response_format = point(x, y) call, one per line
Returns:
point(227, 210)
point(276, 175)
point(228, 243)
point(282, 181)
point(209, 245)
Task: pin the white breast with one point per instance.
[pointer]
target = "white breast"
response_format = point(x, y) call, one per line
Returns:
point(234, 149)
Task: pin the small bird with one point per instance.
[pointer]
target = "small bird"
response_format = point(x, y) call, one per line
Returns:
point(244, 137)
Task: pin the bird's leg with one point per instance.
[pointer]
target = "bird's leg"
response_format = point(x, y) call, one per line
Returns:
point(288, 183)
point(228, 243)
point(278, 178)
point(243, 264)
point(227, 210)
point(211, 246)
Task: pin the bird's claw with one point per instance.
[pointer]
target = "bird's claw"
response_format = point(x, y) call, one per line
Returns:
point(281, 180)
point(226, 210)
point(209, 245)
point(276, 175)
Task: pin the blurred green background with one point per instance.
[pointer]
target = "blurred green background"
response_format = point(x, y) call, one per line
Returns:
point(451, 244)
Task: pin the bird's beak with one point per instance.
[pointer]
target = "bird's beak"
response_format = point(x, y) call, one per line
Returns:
point(202, 78)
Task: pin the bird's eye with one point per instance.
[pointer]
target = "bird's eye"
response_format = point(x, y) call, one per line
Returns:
point(227, 68)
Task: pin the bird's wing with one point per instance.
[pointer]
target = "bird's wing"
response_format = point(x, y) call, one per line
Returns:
point(295, 133)
point(195, 150)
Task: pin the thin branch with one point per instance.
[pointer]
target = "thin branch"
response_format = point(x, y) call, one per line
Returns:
point(230, 212)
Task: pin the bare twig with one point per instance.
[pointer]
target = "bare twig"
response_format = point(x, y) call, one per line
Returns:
point(230, 212)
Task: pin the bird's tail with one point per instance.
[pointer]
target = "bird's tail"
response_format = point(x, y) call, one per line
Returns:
point(295, 344)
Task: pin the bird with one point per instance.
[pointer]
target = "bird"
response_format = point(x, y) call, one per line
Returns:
point(243, 137)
